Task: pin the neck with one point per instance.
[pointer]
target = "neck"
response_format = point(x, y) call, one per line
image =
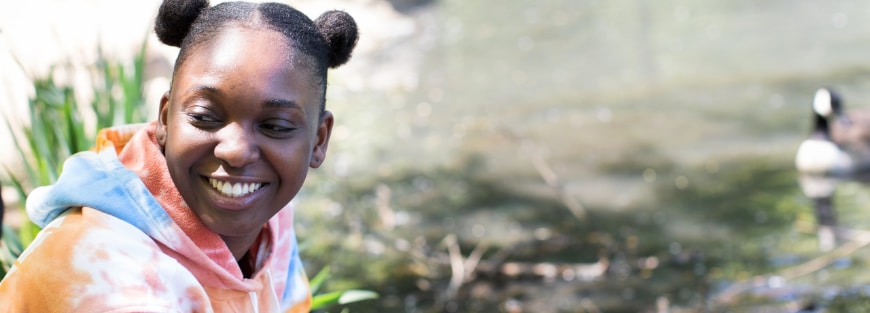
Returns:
point(239, 245)
point(821, 125)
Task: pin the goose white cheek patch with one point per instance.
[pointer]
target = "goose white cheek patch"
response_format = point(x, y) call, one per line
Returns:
point(822, 103)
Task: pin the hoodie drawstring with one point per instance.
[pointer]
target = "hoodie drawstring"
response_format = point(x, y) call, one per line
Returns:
point(254, 302)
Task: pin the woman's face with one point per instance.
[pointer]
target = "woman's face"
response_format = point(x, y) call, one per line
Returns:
point(240, 128)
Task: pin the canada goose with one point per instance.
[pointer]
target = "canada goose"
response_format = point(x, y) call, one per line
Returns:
point(821, 154)
point(839, 145)
point(837, 149)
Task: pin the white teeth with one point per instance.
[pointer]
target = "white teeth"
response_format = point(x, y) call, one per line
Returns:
point(227, 189)
point(234, 190)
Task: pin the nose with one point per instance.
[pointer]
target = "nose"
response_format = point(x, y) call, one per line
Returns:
point(237, 145)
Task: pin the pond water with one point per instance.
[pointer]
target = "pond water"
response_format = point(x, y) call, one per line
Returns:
point(657, 137)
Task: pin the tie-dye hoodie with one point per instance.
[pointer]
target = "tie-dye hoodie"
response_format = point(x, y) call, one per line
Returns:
point(118, 237)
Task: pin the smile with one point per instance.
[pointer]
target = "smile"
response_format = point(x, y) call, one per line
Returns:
point(234, 190)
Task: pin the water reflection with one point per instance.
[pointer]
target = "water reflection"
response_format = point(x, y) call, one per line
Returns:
point(673, 126)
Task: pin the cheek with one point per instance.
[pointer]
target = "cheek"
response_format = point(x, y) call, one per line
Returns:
point(183, 145)
point(291, 161)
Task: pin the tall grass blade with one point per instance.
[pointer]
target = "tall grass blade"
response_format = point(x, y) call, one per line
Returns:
point(318, 280)
point(57, 131)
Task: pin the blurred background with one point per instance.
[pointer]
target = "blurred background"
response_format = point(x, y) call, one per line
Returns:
point(543, 156)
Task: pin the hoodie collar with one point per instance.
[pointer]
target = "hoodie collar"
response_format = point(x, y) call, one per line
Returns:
point(135, 186)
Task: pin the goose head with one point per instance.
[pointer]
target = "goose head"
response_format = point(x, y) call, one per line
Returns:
point(827, 105)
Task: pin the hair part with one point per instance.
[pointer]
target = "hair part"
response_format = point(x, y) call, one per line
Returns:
point(327, 42)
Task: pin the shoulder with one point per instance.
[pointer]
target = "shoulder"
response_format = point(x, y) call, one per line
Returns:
point(291, 282)
point(91, 261)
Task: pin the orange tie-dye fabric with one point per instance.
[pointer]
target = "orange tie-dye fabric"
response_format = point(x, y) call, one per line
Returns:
point(117, 237)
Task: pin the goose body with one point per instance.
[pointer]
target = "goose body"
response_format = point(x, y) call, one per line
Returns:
point(837, 149)
point(840, 143)
point(821, 156)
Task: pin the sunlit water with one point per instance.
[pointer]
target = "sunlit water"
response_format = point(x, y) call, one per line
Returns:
point(673, 123)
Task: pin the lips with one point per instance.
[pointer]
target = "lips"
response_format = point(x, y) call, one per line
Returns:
point(233, 190)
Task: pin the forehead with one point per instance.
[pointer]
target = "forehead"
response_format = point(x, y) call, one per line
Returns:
point(245, 59)
point(234, 46)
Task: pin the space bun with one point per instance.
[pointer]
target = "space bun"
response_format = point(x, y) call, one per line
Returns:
point(340, 32)
point(174, 19)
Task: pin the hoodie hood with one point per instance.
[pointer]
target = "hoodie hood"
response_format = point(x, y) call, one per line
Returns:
point(100, 180)
point(135, 186)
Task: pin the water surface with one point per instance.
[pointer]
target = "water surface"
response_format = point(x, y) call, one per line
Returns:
point(673, 124)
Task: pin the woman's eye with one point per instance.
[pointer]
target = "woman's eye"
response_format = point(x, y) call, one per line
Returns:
point(277, 128)
point(200, 119)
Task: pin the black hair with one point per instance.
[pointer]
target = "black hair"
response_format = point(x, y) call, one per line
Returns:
point(328, 41)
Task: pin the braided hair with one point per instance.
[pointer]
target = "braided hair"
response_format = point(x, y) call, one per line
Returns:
point(327, 41)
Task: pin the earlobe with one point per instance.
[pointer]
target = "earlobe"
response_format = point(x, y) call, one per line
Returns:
point(324, 130)
point(162, 115)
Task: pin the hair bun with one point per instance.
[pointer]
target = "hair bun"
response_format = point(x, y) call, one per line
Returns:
point(174, 19)
point(340, 32)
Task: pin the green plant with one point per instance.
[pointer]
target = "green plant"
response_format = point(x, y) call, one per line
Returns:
point(57, 131)
point(325, 300)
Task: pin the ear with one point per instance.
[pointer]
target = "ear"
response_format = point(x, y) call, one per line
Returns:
point(324, 130)
point(162, 116)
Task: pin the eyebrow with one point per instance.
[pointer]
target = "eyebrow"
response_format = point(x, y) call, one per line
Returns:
point(281, 104)
point(199, 89)
point(270, 103)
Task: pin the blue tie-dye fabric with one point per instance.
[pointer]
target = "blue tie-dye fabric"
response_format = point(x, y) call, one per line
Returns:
point(99, 181)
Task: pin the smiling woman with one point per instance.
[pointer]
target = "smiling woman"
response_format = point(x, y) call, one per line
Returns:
point(192, 213)
point(209, 139)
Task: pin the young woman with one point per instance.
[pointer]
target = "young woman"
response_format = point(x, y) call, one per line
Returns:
point(191, 214)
